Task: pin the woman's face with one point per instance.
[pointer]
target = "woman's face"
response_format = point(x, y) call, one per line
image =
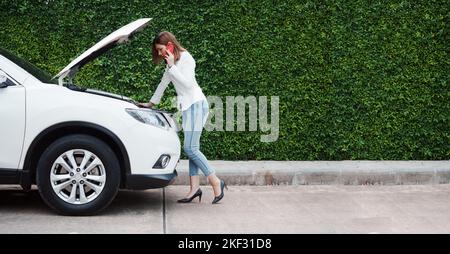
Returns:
point(161, 49)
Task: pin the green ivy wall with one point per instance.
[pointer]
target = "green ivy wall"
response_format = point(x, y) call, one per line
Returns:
point(356, 79)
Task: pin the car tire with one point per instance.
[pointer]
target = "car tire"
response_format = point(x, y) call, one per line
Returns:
point(81, 195)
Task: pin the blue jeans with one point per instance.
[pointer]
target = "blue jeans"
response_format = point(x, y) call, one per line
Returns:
point(194, 119)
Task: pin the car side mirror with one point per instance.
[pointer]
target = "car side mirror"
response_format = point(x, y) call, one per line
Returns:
point(3, 81)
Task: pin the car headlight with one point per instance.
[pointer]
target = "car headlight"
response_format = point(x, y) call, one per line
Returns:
point(148, 116)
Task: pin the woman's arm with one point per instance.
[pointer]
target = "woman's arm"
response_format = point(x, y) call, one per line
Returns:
point(156, 98)
point(185, 73)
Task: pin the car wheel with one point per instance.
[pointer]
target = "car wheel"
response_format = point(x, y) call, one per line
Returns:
point(78, 175)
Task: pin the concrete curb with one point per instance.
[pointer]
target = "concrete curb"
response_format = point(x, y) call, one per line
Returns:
point(324, 172)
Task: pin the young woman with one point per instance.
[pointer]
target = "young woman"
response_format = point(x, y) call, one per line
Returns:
point(180, 70)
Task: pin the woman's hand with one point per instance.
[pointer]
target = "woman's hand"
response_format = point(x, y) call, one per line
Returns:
point(170, 60)
point(146, 105)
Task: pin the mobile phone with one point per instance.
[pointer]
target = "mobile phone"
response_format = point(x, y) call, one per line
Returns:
point(170, 47)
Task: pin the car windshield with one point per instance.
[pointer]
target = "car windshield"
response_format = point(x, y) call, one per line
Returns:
point(42, 75)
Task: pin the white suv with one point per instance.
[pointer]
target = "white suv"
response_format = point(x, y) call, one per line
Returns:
point(79, 146)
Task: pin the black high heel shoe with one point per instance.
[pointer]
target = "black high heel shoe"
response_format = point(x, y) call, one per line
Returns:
point(188, 200)
point(218, 198)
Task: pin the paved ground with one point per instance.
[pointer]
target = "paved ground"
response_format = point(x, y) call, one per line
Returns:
point(245, 209)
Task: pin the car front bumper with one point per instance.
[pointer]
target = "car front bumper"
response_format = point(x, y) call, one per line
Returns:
point(143, 182)
point(145, 144)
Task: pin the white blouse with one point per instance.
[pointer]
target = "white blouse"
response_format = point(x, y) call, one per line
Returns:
point(182, 76)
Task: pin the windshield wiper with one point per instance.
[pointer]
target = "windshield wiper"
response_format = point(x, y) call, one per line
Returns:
point(75, 87)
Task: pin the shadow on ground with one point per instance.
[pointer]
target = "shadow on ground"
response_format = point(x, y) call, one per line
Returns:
point(137, 202)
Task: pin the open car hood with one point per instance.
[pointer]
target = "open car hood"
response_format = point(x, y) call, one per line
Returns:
point(117, 37)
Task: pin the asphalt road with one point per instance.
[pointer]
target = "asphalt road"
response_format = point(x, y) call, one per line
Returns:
point(245, 209)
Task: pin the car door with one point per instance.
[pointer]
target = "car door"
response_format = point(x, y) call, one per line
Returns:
point(12, 122)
